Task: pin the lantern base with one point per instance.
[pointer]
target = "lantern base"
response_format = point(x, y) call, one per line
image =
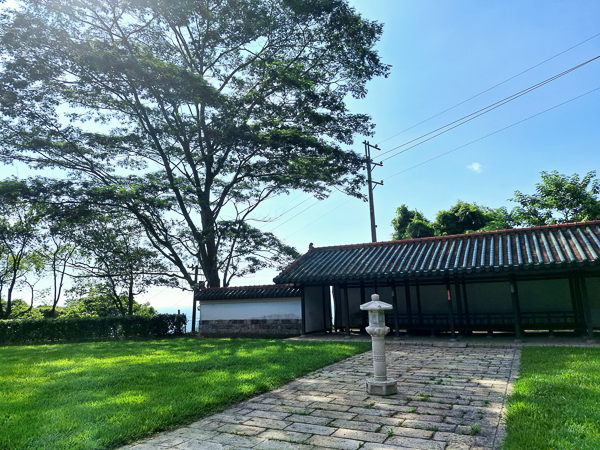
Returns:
point(388, 387)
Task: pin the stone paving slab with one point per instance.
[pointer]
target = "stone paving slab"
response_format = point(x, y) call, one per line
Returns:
point(449, 398)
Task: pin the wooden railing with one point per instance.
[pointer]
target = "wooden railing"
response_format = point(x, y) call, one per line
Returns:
point(486, 321)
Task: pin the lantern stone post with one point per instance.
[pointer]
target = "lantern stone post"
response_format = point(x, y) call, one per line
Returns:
point(380, 384)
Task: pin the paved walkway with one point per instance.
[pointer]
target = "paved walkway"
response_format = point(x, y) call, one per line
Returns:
point(449, 398)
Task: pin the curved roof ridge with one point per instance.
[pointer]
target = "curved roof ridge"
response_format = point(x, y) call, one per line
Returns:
point(251, 286)
point(450, 236)
point(373, 260)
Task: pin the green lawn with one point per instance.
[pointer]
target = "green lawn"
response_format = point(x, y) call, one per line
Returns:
point(556, 401)
point(104, 394)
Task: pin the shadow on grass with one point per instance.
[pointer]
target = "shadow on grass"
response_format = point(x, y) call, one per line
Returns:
point(100, 395)
point(555, 401)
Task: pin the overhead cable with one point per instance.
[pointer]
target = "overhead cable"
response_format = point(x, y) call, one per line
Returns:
point(490, 134)
point(489, 89)
point(295, 215)
point(480, 112)
point(318, 218)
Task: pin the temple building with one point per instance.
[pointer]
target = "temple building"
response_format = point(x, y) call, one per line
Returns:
point(517, 280)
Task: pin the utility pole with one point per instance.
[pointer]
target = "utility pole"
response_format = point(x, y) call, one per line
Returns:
point(371, 187)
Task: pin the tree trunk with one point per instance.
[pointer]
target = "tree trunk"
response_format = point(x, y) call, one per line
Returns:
point(130, 297)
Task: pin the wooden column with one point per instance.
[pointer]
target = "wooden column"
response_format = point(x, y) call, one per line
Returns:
point(395, 305)
point(579, 320)
point(450, 310)
point(459, 309)
point(303, 307)
point(326, 302)
point(337, 302)
point(408, 306)
point(363, 300)
point(347, 306)
point(514, 295)
point(466, 301)
point(587, 313)
point(419, 309)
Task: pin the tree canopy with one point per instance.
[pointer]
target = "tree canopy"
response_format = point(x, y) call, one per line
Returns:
point(188, 115)
point(559, 198)
point(459, 219)
point(40, 238)
point(469, 217)
point(21, 248)
point(409, 224)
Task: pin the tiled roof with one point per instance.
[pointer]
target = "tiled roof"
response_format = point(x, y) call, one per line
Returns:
point(234, 293)
point(574, 244)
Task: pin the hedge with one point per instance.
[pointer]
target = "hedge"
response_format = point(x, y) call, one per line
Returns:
point(90, 328)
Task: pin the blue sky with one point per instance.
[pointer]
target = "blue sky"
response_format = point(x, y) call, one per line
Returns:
point(442, 53)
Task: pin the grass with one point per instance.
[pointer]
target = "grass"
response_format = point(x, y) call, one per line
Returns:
point(104, 394)
point(555, 401)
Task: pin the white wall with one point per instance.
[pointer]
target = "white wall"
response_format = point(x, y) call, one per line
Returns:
point(252, 308)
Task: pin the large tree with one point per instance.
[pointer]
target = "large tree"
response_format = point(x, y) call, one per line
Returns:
point(189, 114)
point(559, 198)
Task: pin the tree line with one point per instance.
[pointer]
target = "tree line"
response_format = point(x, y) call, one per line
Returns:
point(558, 198)
point(102, 257)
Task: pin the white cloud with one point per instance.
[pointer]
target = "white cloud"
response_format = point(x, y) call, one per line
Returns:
point(475, 167)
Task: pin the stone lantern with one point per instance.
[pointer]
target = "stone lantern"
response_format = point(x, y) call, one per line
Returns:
point(380, 384)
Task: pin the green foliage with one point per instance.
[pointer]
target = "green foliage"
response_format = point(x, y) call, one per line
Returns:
point(19, 309)
point(90, 328)
point(410, 224)
point(459, 219)
point(555, 400)
point(559, 198)
point(470, 217)
point(106, 394)
point(21, 247)
point(99, 304)
point(111, 252)
point(202, 110)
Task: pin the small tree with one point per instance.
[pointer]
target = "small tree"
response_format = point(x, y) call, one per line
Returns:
point(91, 299)
point(112, 253)
point(559, 199)
point(21, 247)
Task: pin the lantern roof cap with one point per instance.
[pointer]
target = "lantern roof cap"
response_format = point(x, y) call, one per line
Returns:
point(375, 304)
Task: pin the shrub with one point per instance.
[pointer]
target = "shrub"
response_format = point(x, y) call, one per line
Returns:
point(90, 328)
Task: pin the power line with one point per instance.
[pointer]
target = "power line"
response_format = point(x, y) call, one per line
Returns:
point(295, 215)
point(459, 122)
point(289, 202)
point(292, 208)
point(482, 111)
point(318, 218)
point(490, 134)
point(489, 89)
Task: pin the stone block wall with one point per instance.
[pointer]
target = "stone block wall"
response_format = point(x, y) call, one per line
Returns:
point(251, 327)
